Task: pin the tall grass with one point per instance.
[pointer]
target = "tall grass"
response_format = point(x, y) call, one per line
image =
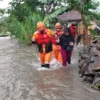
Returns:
point(24, 30)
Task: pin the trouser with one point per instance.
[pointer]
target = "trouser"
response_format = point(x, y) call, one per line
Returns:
point(57, 55)
point(45, 59)
point(66, 56)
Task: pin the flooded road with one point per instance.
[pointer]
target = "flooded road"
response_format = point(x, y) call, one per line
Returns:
point(20, 78)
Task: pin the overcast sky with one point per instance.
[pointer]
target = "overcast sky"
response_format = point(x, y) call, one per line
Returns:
point(4, 3)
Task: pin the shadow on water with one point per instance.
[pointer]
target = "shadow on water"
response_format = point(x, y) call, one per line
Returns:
point(20, 78)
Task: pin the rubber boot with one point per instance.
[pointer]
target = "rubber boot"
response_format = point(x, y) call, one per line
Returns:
point(69, 61)
point(47, 65)
point(43, 65)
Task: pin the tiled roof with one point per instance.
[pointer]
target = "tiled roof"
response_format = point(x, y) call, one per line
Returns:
point(70, 16)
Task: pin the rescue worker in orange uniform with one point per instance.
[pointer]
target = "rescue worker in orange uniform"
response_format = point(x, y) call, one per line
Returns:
point(42, 37)
point(55, 39)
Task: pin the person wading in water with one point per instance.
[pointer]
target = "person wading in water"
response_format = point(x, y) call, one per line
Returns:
point(55, 39)
point(66, 43)
point(42, 37)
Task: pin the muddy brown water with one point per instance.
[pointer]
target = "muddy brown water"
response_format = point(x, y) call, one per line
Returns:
point(20, 78)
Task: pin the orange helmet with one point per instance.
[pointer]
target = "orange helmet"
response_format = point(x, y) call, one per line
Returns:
point(58, 25)
point(40, 26)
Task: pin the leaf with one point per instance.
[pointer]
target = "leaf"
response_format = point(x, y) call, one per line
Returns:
point(53, 15)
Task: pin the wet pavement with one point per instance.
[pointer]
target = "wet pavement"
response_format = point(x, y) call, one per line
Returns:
point(20, 78)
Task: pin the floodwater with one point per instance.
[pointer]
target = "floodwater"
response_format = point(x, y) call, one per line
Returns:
point(22, 79)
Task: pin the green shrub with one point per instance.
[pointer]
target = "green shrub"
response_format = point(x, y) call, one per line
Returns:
point(24, 30)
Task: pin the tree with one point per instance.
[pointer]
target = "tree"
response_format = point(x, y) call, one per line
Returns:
point(2, 20)
point(2, 11)
point(19, 10)
point(49, 6)
point(26, 13)
point(84, 7)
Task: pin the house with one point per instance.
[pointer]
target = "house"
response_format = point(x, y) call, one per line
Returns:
point(67, 18)
point(71, 16)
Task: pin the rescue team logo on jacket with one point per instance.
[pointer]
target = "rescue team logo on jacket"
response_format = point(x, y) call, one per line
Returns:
point(43, 38)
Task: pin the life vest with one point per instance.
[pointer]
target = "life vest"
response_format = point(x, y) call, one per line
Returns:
point(43, 38)
point(55, 37)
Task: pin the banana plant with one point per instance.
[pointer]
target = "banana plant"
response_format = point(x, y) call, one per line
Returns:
point(53, 15)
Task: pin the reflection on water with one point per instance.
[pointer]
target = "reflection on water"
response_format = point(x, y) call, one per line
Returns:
point(20, 78)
